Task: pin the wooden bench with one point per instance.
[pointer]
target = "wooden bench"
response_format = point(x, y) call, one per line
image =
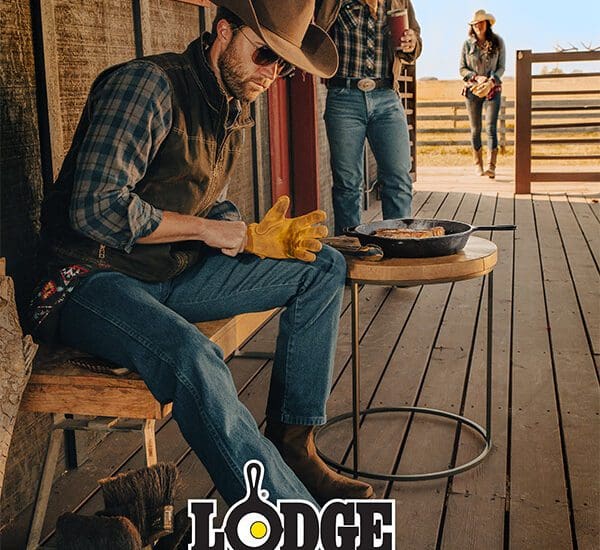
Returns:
point(107, 402)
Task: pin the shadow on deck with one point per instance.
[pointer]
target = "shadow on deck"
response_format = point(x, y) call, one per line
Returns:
point(539, 487)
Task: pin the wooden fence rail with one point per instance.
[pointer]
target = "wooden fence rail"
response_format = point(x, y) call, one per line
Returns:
point(576, 112)
point(525, 109)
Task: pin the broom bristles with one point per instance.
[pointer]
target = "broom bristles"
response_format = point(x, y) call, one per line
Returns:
point(145, 496)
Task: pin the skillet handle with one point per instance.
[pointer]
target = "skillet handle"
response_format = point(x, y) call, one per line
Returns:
point(349, 231)
point(507, 227)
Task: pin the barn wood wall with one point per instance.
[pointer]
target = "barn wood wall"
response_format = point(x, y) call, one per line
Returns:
point(89, 35)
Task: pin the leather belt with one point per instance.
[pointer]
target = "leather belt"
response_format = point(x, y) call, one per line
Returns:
point(363, 84)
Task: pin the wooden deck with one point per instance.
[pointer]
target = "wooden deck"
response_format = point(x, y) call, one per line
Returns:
point(539, 488)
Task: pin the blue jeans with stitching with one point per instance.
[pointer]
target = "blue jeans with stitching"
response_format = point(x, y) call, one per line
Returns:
point(351, 116)
point(148, 328)
point(475, 107)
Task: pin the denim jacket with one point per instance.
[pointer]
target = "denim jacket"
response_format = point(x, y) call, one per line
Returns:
point(474, 61)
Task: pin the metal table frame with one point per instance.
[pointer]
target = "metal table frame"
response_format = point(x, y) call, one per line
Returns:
point(485, 434)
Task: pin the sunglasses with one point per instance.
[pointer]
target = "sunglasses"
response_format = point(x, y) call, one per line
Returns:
point(263, 56)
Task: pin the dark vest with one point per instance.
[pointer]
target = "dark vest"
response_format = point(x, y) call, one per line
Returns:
point(187, 174)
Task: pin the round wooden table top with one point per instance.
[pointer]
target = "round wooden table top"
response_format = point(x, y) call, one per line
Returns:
point(476, 259)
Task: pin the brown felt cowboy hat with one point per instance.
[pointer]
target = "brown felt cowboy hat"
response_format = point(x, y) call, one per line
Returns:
point(285, 26)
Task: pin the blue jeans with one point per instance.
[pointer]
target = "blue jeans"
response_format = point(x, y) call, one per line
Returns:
point(350, 117)
point(475, 106)
point(147, 328)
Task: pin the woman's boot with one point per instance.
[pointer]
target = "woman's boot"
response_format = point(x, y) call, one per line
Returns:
point(297, 447)
point(478, 161)
point(491, 169)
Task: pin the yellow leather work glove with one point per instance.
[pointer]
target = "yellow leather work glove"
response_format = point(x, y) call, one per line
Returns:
point(279, 237)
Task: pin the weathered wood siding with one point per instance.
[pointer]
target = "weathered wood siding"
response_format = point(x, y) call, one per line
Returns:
point(90, 36)
point(80, 38)
point(20, 167)
point(173, 25)
point(325, 179)
point(21, 192)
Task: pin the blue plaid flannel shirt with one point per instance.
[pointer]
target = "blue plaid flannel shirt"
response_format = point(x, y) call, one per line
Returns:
point(130, 117)
point(362, 41)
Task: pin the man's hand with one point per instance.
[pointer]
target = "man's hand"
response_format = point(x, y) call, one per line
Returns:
point(230, 237)
point(408, 41)
point(279, 237)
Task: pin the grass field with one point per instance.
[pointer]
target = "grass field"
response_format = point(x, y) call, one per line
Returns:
point(455, 155)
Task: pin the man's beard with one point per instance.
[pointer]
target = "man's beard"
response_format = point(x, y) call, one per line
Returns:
point(236, 81)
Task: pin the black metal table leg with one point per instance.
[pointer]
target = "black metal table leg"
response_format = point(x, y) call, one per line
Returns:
point(356, 414)
point(355, 377)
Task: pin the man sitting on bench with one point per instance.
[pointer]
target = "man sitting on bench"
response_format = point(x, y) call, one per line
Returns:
point(138, 247)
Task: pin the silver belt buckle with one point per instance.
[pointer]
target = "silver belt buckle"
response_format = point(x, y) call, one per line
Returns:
point(366, 84)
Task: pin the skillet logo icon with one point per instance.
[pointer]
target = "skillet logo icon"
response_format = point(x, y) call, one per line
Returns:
point(255, 523)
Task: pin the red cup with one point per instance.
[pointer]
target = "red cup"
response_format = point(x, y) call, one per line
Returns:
point(398, 22)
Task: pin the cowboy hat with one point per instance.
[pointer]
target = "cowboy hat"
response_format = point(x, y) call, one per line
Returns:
point(286, 28)
point(481, 15)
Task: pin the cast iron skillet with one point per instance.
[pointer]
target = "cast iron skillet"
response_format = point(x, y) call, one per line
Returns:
point(455, 239)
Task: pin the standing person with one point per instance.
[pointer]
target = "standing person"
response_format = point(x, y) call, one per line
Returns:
point(363, 102)
point(138, 249)
point(482, 63)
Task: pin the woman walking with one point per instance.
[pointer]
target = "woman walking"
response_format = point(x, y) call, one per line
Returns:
point(482, 64)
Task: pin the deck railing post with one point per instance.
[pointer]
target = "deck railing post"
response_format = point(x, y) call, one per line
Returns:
point(523, 123)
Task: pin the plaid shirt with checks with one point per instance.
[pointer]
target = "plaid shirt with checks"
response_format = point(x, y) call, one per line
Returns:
point(130, 117)
point(362, 41)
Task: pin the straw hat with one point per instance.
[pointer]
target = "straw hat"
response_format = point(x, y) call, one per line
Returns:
point(481, 15)
point(286, 27)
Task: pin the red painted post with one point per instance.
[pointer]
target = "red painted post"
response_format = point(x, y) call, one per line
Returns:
point(304, 143)
point(279, 139)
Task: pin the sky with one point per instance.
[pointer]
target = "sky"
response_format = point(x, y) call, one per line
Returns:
point(523, 24)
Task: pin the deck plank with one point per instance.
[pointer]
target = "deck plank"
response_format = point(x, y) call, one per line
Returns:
point(430, 442)
point(590, 225)
point(582, 265)
point(581, 238)
point(375, 352)
point(539, 516)
point(594, 202)
point(415, 343)
point(575, 376)
point(539, 487)
point(476, 502)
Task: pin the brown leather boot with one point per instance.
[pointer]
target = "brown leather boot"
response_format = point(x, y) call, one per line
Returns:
point(478, 161)
point(491, 169)
point(297, 447)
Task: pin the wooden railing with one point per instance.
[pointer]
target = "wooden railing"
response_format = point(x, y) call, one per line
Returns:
point(453, 113)
point(525, 109)
point(408, 94)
